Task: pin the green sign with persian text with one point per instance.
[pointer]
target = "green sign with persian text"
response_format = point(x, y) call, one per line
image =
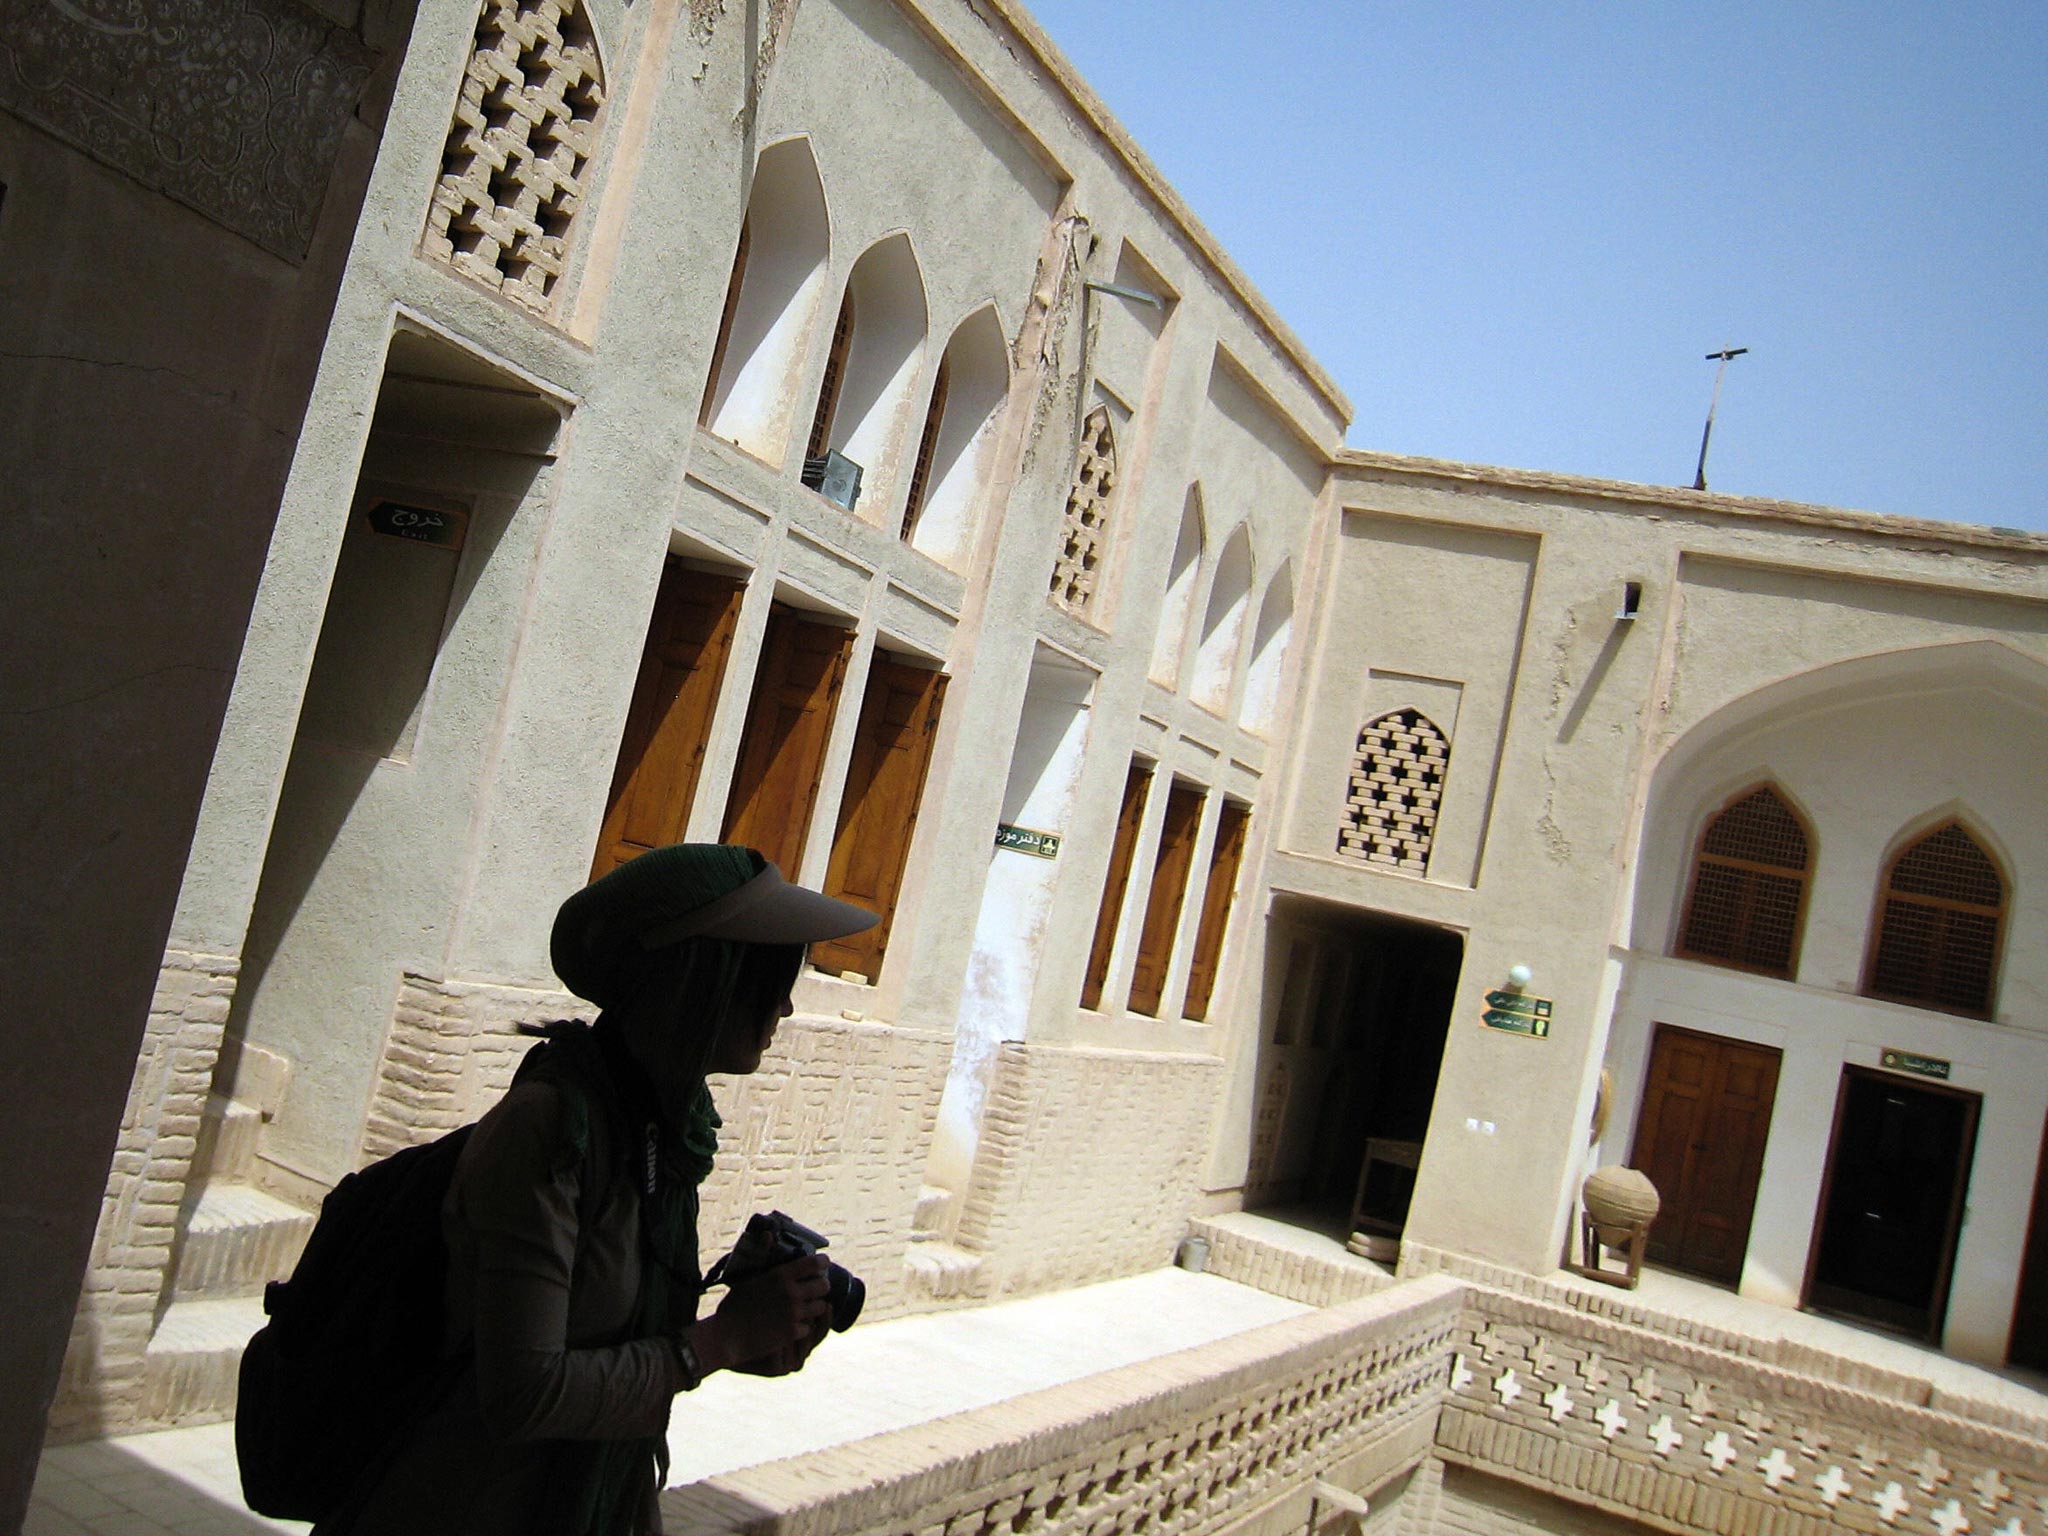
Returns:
point(1919, 1066)
point(1041, 845)
point(1518, 1014)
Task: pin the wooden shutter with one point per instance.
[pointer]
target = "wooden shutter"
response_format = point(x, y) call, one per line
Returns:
point(662, 750)
point(835, 376)
point(892, 748)
point(1121, 849)
point(725, 320)
point(775, 785)
point(1169, 888)
point(1223, 866)
point(927, 450)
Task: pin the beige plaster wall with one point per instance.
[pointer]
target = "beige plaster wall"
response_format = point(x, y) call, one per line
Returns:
point(148, 424)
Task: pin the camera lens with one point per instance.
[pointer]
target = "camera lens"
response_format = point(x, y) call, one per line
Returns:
point(847, 1295)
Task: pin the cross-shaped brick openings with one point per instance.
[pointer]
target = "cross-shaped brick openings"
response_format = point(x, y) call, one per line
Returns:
point(524, 131)
point(1397, 779)
point(1084, 529)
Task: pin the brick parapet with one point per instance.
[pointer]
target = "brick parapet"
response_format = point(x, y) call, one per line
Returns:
point(100, 1388)
point(1088, 1163)
point(1686, 1436)
point(1304, 1277)
point(1225, 1437)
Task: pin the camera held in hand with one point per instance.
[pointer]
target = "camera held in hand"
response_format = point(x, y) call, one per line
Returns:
point(774, 1239)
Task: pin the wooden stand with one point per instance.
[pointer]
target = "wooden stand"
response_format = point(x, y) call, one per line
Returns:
point(1591, 1249)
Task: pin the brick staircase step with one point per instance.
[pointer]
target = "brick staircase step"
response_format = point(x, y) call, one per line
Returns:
point(188, 1376)
point(943, 1272)
point(230, 1139)
point(234, 1240)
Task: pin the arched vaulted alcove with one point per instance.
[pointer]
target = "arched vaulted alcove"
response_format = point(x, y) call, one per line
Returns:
point(772, 302)
point(1223, 624)
point(877, 349)
point(1269, 653)
point(953, 451)
point(1176, 607)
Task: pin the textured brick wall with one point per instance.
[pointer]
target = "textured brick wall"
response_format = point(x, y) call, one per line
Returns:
point(1224, 1438)
point(834, 1129)
point(1088, 1165)
point(100, 1388)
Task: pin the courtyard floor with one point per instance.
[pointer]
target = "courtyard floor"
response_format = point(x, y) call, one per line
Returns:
point(905, 1371)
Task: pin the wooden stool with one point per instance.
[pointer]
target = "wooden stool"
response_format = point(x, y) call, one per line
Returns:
point(1591, 1248)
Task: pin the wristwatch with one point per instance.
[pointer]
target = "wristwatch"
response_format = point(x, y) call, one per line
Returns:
point(687, 1361)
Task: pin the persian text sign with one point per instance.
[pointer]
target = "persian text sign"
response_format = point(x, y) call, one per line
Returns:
point(1518, 1013)
point(423, 525)
point(1909, 1061)
point(1042, 845)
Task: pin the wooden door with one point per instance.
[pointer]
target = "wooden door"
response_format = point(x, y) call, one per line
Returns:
point(1706, 1116)
point(1223, 865)
point(661, 752)
point(1892, 1202)
point(1137, 784)
point(1169, 889)
point(2028, 1345)
point(775, 785)
point(892, 749)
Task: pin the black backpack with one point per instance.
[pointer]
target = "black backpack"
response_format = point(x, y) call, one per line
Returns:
point(351, 1355)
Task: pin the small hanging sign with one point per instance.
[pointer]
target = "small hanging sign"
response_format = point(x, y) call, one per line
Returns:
point(438, 526)
point(1919, 1066)
point(1518, 1014)
point(1040, 845)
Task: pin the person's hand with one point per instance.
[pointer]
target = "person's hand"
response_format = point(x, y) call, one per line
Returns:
point(767, 1323)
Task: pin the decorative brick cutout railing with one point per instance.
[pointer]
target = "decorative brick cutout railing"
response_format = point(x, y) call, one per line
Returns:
point(1193, 1442)
point(1691, 1438)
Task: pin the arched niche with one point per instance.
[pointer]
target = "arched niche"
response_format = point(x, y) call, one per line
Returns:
point(1223, 624)
point(1269, 652)
point(1178, 604)
point(961, 419)
point(878, 347)
point(771, 302)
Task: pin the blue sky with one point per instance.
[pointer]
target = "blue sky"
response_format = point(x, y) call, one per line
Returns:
point(1511, 233)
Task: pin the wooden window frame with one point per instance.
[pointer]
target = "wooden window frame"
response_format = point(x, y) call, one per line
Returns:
point(1226, 863)
point(833, 380)
point(856, 831)
point(1116, 886)
point(927, 451)
point(1700, 857)
point(1875, 940)
point(725, 323)
point(1166, 899)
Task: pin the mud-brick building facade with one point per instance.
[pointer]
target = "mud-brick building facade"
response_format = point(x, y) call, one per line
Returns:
point(817, 425)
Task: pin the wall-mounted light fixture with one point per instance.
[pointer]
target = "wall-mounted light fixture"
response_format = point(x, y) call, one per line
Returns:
point(1519, 976)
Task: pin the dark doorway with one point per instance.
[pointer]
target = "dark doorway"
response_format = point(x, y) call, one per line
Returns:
point(1891, 1205)
point(1706, 1116)
point(1356, 1043)
point(2029, 1342)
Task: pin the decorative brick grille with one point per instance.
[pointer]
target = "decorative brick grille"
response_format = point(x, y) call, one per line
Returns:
point(1749, 886)
point(1397, 781)
point(1083, 531)
point(524, 131)
point(1938, 926)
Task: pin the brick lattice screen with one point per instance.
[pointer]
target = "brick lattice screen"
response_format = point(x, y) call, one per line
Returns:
point(1084, 529)
point(1397, 781)
point(523, 135)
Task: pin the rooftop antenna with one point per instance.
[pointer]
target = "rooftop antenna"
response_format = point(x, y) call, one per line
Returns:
point(1699, 479)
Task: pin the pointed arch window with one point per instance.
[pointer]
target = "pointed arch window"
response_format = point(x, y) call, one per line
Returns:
point(1085, 528)
point(1941, 913)
point(927, 451)
point(1397, 783)
point(835, 376)
point(1747, 900)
